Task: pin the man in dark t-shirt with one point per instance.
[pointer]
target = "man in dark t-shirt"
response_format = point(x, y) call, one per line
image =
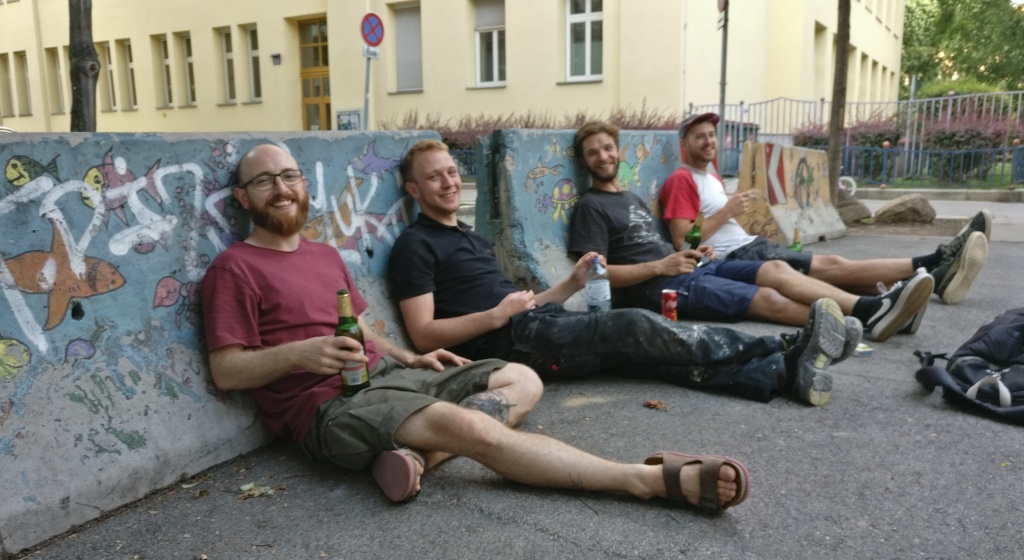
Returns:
point(454, 294)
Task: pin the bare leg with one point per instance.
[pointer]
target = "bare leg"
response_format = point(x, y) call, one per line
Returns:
point(538, 460)
point(860, 276)
point(511, 394)
point(800, 288)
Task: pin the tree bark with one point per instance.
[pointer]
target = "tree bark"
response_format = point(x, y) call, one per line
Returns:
point(85, 67)
point(837, 115)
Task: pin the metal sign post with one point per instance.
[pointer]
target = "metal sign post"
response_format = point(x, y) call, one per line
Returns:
point(723, 7)
point(372, 30)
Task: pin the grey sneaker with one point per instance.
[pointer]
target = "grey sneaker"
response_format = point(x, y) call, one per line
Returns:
point(899, 305)
point(854, 333)
point(820, 343)
point(953, 278)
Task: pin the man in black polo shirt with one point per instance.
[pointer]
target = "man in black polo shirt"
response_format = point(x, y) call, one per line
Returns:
point(454, 294)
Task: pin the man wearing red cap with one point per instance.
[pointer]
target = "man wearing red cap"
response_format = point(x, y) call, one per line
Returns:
point(694, 187)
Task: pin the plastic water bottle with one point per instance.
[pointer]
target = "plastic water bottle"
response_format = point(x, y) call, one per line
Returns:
point(598, 289)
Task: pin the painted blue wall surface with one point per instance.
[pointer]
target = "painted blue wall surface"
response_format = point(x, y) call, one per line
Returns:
point(105, 392)
point(528, 184)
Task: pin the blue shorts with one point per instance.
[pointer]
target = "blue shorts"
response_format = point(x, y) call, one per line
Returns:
point(718, 291)
point(761, 249)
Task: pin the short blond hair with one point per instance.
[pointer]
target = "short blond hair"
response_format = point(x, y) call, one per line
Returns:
point(423, 146)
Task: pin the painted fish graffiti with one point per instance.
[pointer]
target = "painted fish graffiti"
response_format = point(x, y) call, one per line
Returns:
point(13, 356)
point(51, 272)
point(22, 169)
point(110, 175)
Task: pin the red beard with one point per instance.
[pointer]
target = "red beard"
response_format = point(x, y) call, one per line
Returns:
point(285, 227)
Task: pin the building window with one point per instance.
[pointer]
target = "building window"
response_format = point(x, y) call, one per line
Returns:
point(164, 53)
point(56, 82)
point(253, 44)
point(6, 95)
point(490, 43)
point(584, 36)
point(110, 95)
point(190, 75)
point(129, 75)
point(315, 75)
point(21, 84)
point(409, 59)
point(228, 54)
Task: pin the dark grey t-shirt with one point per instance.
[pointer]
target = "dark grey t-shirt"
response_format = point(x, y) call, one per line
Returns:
point(619, 226)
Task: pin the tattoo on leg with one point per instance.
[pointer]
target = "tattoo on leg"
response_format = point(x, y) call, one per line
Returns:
point(491, 403)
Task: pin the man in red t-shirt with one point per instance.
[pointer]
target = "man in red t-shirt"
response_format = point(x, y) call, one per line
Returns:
point(694, 188)
point(269, 308)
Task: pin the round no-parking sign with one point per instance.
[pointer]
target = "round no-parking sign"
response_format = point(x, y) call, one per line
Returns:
point(372, 29)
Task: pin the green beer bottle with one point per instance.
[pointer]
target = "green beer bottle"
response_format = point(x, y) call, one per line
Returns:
point(797, 245)
point(692, 238)
point(354, 376)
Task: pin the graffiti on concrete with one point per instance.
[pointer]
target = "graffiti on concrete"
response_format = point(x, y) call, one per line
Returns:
point(534, 176)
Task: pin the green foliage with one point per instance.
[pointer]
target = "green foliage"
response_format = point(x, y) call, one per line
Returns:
point(980, 39)
point(965, 135)
point(961, 86)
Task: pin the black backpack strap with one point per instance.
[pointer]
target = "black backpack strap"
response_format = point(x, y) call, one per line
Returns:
point(927, 359)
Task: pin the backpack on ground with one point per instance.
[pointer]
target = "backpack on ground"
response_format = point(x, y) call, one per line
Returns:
point(986, 374)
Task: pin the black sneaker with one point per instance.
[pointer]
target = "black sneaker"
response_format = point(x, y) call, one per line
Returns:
point(915, 322)
point(982, 221)
point(953, 278)
point(818, 345)
point(899, 305)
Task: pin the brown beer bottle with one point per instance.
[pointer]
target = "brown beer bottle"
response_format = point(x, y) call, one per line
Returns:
point(354, 375)
point(692, 238)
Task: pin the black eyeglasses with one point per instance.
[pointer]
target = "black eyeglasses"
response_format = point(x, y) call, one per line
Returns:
point(265, 181)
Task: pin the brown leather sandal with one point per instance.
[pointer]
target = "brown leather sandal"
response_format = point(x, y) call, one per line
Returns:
point(672, 463)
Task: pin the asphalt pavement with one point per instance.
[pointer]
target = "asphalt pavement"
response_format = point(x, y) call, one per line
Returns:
point(884, 470)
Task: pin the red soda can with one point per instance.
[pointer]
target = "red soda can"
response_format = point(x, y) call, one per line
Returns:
point(668, 304)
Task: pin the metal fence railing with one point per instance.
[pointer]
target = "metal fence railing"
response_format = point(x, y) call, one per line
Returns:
point(940, 168)
point(466, 161)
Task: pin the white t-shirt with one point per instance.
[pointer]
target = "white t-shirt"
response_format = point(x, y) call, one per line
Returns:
point(689, 191)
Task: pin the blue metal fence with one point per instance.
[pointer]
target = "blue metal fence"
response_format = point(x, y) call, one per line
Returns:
point(466, 160)
point(940, 168)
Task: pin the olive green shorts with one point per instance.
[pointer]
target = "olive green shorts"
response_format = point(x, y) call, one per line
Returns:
point(351, 431)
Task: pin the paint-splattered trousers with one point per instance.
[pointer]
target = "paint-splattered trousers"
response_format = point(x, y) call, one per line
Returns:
point(562, 344)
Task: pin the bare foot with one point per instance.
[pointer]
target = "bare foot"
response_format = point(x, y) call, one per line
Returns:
point(689, 478)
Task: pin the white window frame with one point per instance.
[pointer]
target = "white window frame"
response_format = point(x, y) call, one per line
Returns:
point(133, 93)
point(22, 84)
point(165, 70)
point(56, 85)
point(189, 68)
point(253, 52)
point(6, 89)
point(227, 49)
point(108, 62)
point(409, 49)
point(587, 18)
point(491, 33)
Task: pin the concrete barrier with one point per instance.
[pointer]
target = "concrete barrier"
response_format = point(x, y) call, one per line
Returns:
point(105, 393)
point(527, 186)
point(792, 192)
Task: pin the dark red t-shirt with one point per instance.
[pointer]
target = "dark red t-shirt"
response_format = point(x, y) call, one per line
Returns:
point(261, 298)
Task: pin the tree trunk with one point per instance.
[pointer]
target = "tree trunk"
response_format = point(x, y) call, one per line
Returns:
point(85, 67)
point(836, 118)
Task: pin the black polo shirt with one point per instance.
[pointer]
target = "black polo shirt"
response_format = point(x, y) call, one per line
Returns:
point(460, 268)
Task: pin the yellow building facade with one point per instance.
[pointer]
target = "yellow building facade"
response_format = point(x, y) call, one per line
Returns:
point(237, 65)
